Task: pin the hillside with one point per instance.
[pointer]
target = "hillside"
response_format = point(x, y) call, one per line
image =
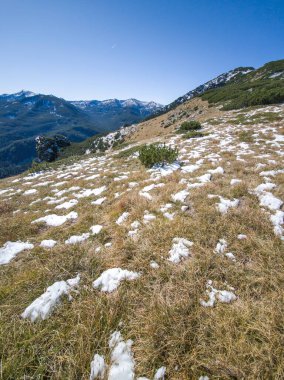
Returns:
point(236, 89)
point(25, 115)
point(262, 86)
point(112, 271)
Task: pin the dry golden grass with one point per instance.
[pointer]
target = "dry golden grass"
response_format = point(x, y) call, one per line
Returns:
point(161, 310)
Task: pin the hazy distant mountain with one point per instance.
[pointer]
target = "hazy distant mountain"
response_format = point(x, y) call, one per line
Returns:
point(25, 115)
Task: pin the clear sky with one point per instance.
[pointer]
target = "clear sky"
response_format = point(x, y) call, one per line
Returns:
point(145, 49)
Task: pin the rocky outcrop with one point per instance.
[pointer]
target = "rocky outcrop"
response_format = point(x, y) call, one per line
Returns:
point(48, 148)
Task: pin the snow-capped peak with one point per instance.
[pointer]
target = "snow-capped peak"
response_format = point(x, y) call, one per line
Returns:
point(19, 95)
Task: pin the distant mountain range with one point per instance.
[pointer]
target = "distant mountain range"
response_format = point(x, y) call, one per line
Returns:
point(25, 115)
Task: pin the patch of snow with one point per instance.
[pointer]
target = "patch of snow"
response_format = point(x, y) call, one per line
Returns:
point(154, 265)
point(162, 170)
point(29, 192)
point(96, 229)
point(11, 249)
point(135, 224)
point(99, 201)
point(205, 178)
point(271, 173)
point(278, 220)
point(180, 249)
point(67, 205)
point(264, 187)
point(242, 237)
point(218, 170)
point(122, 361)
point(160, 373)
point(180, 196)
point(270, 201)
point(110, 279)
point(224, 204)
point(230, 256)
point(88, 192)
point(169, 215)
point(56, 220)
point(189, 168)
point(221, 246)
point(148, 217)
point(222, 295)
point(75, 239)
point(98, 367)
point(235, 181)
point(123, 217)
point(42, 307)
point(48, 243)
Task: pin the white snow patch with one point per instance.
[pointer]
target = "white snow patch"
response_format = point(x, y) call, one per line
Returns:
point(224, 296)
point(180, 249)
point(11, 249)
point(88, 192)
point(148, 217)
point(96, 229)
point(224, 204)
point(235, 181)
point(123, 217)
point(154, 265)
point(99, 201)
point(110, 279)
point(98, 367)
point(221, 246)
point(67, 205)
point(122, 361)
point(242, 237)
point(190, 168)
point(205, 178)
point(56, 220)
point(48, 243)
point(270, 201)
point(75, 239)
point(160, 373)
point(30, 192)
point(180, 196)
point(218, 170)
point(264, 187)
point(278, 220)
point(42, 307)
point(162, 170)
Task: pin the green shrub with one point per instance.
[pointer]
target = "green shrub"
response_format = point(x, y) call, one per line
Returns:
point(193, 134)
point(152, 154)
point(246, 136)
point(191, 125)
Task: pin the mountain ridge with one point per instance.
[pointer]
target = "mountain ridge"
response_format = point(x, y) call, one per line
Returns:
point(79, 120)
point(25, 115)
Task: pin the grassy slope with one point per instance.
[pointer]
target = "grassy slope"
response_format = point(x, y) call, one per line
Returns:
point(160, 311)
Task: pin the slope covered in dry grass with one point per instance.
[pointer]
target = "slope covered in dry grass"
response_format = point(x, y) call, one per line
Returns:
point(165, 308)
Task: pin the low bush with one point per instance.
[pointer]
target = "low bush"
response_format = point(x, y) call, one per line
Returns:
point(191, 125)
point(152, 154)
point(246, 136)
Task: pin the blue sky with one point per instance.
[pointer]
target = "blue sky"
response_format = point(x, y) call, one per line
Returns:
point(146, 49)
